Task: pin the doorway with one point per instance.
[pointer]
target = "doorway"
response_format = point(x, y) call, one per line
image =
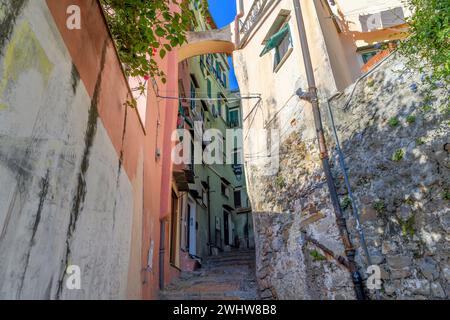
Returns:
point(162, 250)
point(227, 230)
point(174, 229)
point(192, 229)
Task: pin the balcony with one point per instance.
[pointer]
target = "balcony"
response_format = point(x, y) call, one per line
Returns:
point(209, 66)
point(256, 12)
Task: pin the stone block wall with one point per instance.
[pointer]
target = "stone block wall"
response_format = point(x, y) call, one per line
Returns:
point(395, 135)
point(394, 130)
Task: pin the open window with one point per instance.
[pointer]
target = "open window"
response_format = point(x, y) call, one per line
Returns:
point(279, 40)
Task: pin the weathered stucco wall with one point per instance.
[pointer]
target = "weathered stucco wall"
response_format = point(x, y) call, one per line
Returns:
point(403, 202)
point(65, 199)
point(294, 197)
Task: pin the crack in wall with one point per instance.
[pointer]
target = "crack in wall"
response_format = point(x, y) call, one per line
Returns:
point(75, 78)
point(81, 190)
point(42, 196)
point(119, 170)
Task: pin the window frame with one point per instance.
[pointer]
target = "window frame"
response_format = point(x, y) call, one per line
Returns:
point(278, 59)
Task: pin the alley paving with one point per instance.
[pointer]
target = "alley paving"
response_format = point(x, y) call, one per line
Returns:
point(228, 276)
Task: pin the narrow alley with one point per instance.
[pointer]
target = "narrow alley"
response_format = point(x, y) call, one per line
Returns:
point(228, 276)
point(224, 150)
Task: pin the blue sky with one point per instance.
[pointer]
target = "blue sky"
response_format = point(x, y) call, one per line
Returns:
point(224, 12)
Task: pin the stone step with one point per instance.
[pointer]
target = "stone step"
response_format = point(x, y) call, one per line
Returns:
point(208, 296)
point(231, 263)
point(229, 276)
point(242, 254)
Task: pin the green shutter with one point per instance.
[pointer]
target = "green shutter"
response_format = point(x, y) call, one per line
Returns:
point(275, 40)
point(209, 88)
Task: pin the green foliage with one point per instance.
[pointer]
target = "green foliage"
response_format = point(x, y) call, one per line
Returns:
point(346, 203)
point(317, 256)
point(398, 155)
point(420, 141)
point(394, 122)
point(427, 108)
point(370, 82)
point(411, 119)
point(407, 226)
point(142, 29)
point(429, 37)
point(279, 181)
point(446, 195)
point(379, 206)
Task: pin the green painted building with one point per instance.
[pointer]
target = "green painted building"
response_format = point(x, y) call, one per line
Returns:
point(216, 213)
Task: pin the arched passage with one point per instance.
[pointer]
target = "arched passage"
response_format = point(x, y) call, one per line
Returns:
point(211, 41)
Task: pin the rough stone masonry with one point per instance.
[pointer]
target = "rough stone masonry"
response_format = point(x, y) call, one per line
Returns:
point(394, 131)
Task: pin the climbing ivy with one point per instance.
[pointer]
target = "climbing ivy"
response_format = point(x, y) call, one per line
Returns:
point(143, 29)
point(429, 36)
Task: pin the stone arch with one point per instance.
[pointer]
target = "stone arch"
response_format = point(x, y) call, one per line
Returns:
point(211, 41)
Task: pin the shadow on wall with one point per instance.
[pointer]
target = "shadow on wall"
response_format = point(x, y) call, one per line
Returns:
point(394, 132)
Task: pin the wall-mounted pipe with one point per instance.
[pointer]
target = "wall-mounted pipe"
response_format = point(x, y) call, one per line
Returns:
point(313, 99)
point(240, 14)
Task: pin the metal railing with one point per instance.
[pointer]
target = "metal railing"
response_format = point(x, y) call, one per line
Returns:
point(258, 9)
point(253, 15)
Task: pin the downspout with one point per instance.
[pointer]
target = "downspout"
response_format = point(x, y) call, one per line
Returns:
point(209, 218)
point(313, 99)
point(359, 228)
point(237, 36)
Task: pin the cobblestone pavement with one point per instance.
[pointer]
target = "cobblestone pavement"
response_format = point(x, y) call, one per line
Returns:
point(228, 276)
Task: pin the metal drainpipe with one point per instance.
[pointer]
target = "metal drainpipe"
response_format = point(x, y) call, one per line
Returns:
point(209, 218)
point(237, 36)
point(340, 220)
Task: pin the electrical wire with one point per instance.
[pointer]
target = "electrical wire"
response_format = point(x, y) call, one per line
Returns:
point(278, 112)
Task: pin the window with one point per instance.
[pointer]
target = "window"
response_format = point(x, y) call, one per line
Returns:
point(283, 48)
point(219, 104)
point(237, 157)
point(221, 143)
point(233, 118)
point(204, 197)
point(366, 56)
point(208, 84)
point(225, 190)
point(193, 95)
point(237, 199)
point(218, 70)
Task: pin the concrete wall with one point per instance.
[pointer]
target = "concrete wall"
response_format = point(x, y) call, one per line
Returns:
point(83, 184)
point(66, 199)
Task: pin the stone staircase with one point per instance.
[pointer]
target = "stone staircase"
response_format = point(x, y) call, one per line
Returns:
point(228, 276)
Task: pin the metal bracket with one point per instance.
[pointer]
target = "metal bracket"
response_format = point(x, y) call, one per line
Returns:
point(307, 96)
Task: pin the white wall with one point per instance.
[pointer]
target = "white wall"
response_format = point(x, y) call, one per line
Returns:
point(43, 125)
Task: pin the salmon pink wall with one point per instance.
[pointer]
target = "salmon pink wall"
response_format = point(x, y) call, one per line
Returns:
point(124, 128)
